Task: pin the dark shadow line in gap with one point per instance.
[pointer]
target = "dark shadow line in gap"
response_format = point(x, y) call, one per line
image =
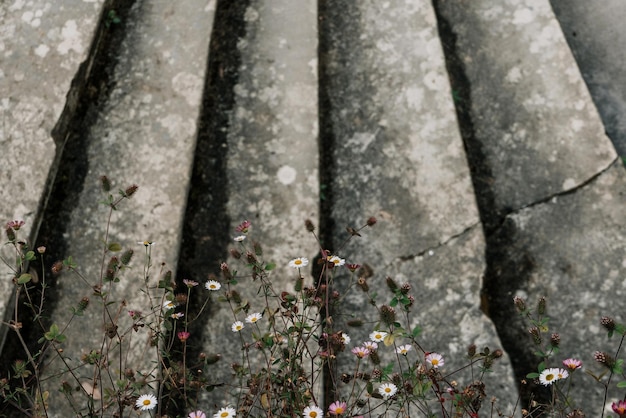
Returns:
point(508, 265)
point(206, 225)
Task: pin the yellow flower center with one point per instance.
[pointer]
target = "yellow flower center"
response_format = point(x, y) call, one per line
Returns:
point(313, 414)
point(549, 377)
point(434, 362)
point(297, 263)
point(387, 390)
point(339, 410)
point(224, 414)
point(146, 402)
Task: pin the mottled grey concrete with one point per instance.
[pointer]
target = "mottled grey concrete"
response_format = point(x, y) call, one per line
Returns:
point(397, 155)
point(569, 249)
point(41, 47)
point(272, 165)
point(532, 114)
point(595, 33)
point(144, 134)
point(540, 139)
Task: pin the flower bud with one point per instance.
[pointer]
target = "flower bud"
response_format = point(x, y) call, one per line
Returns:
point(387, 315)
point(607, 323)
point(541, 306)
point(105, 183)
point(555, 339)
point(391, 284)
point(519, 304)
point(371, 221)
point(309, 225)
point(131, 190)
point(126, 257)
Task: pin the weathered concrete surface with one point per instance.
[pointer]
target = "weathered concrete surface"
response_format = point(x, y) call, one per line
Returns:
point(596, 36)
point(533, 128)
point(272, 165)
point(143, 133)
point(41, 47)
point(569, 249)
point(531, 112)
point(389, 119)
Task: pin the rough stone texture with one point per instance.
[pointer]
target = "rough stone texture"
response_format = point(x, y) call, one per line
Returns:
point(144, 134)
point(532, 113)
point(596, 35)
point(539, 137)
point(272, 165)
point(569, 249)
point(397, 155)
point(41, 47)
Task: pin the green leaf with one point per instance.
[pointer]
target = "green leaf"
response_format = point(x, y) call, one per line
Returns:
point(532, 375)
point(30, 255)
point(393, 302)
point(270, 266)
point(24, 278)
point(622, 384)
point(115, 247)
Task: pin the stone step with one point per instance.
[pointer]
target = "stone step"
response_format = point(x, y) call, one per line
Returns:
point(465, 128)
point(41, 48)
point(388, 120)
point(595, 36)
point(264, 127)
point(547, 180)
point(140, 129)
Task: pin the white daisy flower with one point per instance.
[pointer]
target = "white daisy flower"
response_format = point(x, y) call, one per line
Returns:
point(299, 262)
point(387, 390)
point(239, 238)
point(370, 345)
point(404, 349)
point(551, 375)
point(213, 285)
point(435, 360)
point(378, 336)
point(236, 327)
point(168, 304)
point(252, 318)
point(146, 402)
point(227, 412)
point(345, 338)
point(337, 261)
point(312, 411)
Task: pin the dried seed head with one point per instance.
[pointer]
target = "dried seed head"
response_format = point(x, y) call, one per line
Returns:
point(471, 350)
point(362, 283)
point(131, 190)
point(309, 225)
point(555, 339)
point(608, 323)
point(604, 358)
point(57, 267)
point(519, 304)
point(387, 315)
point(371, 221)
point(405, 288)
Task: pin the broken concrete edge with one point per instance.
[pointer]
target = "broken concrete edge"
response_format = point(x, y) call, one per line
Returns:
point(71, 118)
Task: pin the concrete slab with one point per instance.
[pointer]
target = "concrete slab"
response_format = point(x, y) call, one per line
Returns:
point(143, 132)
point(596, 35)
point(570, 250)
point(271, 165)
point(396, 153)
point(532, 115)
point(41, 47)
